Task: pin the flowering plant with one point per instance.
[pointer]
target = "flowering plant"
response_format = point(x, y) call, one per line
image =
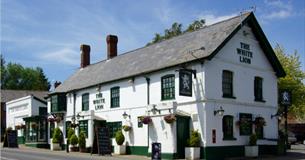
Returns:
point(259, 121)
point(51, 119)
point(170, 118)
point(126, 128)
point(146, 120)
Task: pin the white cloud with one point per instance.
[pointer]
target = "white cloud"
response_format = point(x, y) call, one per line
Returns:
point(277, 9)
point(65, 56)
point(211, 18)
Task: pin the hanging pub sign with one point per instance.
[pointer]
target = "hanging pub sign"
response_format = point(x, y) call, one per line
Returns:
point(99, 101)
point(285, 97)
point(185, 82)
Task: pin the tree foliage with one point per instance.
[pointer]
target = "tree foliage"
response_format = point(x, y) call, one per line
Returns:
point(176, 29)
point(16, 77)
point(294, 81)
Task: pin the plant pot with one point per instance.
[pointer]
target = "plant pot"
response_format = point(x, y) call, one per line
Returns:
point(55, 147)
point(120, 149)
point(74, 149)
point(83, 150)
point(251, 151)
point(192, 152)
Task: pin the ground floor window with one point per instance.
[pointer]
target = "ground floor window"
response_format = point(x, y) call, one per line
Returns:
point(227, 127)
point(113, 128)
point(245, 124)
point(36, 129)
point(83, 127)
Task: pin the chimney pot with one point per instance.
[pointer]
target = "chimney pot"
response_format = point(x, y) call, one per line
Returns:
point(112, 41)
point(85, 55)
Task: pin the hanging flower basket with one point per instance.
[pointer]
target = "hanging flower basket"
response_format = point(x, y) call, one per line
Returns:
point(34, 125)
point(126, 128)
point(51, 119)
point(170, 118)
point(17, 127)
point(259, 122)
point(146, 120)
point(22, 126)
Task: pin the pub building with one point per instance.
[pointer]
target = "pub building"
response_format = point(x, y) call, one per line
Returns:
point(217, 80)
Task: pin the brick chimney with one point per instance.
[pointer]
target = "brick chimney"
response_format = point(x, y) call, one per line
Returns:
point(112, 41)
point(56, 84)
point(84, 55)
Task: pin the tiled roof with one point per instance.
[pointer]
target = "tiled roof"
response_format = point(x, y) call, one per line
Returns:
point(8, 95)
point(167, 53)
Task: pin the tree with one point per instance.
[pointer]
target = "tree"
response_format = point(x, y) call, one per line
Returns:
point(176, 29)
point(294, 81)
point(16, 77)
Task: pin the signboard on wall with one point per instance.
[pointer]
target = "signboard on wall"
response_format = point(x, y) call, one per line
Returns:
point(185, 83)
point(156, 151)
point(99, 101)
point(245, 55)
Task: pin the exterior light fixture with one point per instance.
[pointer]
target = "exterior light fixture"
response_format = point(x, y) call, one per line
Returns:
point(125, 115)
point(78, 116)
point(154, 110)
point(219, 112)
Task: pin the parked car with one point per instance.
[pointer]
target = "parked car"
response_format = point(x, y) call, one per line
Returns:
point(291, 138)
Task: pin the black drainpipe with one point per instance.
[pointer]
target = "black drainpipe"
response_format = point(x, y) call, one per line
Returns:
point(148, 102)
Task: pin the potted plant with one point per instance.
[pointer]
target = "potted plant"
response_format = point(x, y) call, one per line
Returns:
point(119, 138)
point(146, 120)
point(126, 128)
point(56, 140)
point(82, 142)
point(193, 149)
point(252, 149)
point(74, 141)
point(170, 118)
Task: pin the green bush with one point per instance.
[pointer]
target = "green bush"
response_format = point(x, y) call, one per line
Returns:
point(195, 139)
point(82, 140)
point(74, 140)
point(252, 140)
point(70, 133)
point(57, 136)
point(119, 137)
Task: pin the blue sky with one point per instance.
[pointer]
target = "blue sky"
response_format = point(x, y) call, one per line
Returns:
point(48, 33)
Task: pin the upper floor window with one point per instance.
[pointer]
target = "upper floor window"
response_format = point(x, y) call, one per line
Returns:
point(115, 97)
point(168, 87)
point(227, 84)
point(227, 127)
point(85, 102)
point(58, 103)
point(258, 89)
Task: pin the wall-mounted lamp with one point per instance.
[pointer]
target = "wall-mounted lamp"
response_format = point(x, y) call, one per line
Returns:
point(275, 115)
point(78, 116)
point(219, 111)
point(154, 110)
point(125, 115)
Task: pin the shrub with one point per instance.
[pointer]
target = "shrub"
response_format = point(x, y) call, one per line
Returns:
point(73, 140)
point(82, 140)
point(70, 133)
point(57, 136)
point(119, 137)
point(252, 140)
point(194, 140)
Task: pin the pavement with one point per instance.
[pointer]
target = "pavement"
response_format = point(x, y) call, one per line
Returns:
point(297, 152)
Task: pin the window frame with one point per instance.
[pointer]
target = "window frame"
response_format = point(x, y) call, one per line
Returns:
point(85, 102)
point(229, 81)
point(258, 89)
point(115, 100)
point(113, 127)
point(168, 88)
point(228, 131)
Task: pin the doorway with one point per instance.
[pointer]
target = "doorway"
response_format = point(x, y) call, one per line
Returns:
point(183, 134)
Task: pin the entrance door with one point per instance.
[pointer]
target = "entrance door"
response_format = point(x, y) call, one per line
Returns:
point(183, 133)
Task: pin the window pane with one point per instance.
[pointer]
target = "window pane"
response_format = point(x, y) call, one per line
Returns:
point(168, 87)
point(85, 102)
point(258, 88)
point(227, 83)
point(83, 127)
point(115, 97)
